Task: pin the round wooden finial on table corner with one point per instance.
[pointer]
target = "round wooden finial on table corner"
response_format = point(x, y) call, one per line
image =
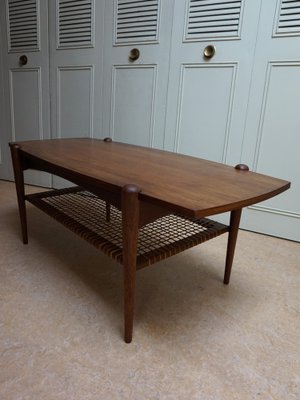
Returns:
point(131, 188)
point(14, 145)
point(242, 167)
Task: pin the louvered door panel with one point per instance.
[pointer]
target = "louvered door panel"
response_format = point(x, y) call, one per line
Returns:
point(23, 25)
point(75, 23)
point(288, 21)
point(213, 19)
point(136, 21)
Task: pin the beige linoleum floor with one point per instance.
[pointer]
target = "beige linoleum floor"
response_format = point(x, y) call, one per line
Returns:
point(194, 338)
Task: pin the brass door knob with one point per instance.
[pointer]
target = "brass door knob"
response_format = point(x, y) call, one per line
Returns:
point(209, 51)
point(134, 54)
point(23, 60)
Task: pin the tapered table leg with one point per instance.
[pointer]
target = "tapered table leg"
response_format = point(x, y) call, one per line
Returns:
point(235, 218)
point(130, 226)
point(19, 181)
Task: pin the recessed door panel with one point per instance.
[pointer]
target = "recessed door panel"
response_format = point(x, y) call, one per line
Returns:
point(75, 117)
point(133, 101)
point(26, 104)
point(276, 153)
point(205, 110)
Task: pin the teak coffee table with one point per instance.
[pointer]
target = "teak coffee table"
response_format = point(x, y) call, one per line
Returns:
point(138, 205)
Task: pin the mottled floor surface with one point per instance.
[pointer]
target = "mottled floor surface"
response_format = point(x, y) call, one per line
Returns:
point(194, 338)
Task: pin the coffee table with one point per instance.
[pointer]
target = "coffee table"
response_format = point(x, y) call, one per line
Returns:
point(138, 205)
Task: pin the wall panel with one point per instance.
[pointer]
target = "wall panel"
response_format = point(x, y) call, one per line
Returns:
point(26, 104)
point(133, 99)
point(204, 110)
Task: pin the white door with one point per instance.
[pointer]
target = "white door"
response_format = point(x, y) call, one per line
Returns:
point(26, 74)
point(76, 43)
point(4, 136)
point(213, 44)
point(136, 62)
point(272, 139)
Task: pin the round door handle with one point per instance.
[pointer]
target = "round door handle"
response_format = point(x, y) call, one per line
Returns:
point(23, 60)
point(134, 54)
point(209, 51)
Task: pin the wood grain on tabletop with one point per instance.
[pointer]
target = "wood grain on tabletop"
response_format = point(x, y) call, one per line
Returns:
point(167, 178)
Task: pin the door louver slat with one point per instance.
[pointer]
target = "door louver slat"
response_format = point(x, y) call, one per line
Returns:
point(213, 19)
point(289, 17)
point(23, 25)
point(136, 21)
point(75, 23)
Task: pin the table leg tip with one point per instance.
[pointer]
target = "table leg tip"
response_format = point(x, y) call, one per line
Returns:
point(128, 338)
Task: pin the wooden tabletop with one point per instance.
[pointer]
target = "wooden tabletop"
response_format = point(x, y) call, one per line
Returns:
point(191, 185)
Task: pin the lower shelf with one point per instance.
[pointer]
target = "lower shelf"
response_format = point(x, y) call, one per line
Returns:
point(85, 214)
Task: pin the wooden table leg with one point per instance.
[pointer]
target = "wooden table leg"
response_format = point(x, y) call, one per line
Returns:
point(235, 218)
point(19, 181)
point(130, 227)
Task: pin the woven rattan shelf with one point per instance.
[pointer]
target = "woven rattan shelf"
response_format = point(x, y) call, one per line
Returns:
point(85, 214)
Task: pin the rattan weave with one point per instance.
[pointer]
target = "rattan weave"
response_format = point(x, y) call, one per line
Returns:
point(85, 214)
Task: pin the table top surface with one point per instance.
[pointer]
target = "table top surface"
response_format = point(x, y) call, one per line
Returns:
point(191, 185)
